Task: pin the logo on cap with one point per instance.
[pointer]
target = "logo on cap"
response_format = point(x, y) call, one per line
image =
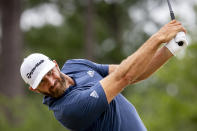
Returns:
point(32, 71)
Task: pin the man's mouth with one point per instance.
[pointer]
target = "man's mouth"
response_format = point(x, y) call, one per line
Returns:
point(58, 84)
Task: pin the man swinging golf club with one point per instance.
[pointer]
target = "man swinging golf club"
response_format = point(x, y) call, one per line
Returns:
point(85, 96)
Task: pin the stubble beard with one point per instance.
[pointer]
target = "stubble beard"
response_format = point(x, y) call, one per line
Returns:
point(59, 89)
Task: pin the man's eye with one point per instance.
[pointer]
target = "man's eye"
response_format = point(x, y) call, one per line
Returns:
point(41, 82)
point(49, 73)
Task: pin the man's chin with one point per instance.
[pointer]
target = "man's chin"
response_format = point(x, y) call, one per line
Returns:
point(58, 94)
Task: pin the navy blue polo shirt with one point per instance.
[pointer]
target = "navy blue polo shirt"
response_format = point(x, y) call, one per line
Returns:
point(84, 107)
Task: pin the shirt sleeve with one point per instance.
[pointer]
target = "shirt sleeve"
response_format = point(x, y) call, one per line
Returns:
point(82, 108)
point(76, 64)
point(103, 69)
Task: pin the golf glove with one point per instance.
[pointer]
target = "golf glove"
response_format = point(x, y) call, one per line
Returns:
point(178, 43)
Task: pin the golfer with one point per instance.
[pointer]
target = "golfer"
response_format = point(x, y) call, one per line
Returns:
point(85, 96)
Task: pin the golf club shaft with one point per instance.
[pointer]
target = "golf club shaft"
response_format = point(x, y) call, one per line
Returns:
point(179, 42)
point(171, 11)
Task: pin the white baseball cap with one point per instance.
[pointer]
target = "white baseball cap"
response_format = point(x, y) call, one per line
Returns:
point(34, 68)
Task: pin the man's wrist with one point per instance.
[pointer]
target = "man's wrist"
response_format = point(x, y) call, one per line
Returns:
point(157, 38)
point(167, 52)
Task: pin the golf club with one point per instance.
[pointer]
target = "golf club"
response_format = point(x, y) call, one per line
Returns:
point(171, 11)
point(180, 43)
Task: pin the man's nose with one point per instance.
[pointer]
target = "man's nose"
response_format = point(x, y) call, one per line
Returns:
point(50, 81)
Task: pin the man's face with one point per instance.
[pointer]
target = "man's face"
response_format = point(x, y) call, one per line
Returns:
point(53, 83)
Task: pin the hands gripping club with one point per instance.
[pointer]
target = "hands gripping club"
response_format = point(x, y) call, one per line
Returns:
point(179, 42)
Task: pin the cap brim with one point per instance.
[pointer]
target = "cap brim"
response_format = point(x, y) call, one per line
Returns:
point(42, 74)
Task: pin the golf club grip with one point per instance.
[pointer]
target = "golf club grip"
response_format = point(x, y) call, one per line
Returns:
point(172, 15)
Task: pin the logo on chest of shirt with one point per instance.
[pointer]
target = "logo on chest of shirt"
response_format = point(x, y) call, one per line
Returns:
point(94, 94)
point(91, 73)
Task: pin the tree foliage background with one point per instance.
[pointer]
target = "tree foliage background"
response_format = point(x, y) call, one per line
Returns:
point(105, 31)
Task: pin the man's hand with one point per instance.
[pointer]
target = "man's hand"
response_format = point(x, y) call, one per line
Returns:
point(177, 44)
point(169, 31)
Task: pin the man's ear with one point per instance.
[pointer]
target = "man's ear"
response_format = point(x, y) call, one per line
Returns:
point(34, 90)
point(56, 65)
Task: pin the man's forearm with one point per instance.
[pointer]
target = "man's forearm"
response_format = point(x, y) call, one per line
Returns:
point(132, 67)
point(160, 58)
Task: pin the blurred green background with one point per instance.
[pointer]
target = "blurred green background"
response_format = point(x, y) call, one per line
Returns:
point(105, 31)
